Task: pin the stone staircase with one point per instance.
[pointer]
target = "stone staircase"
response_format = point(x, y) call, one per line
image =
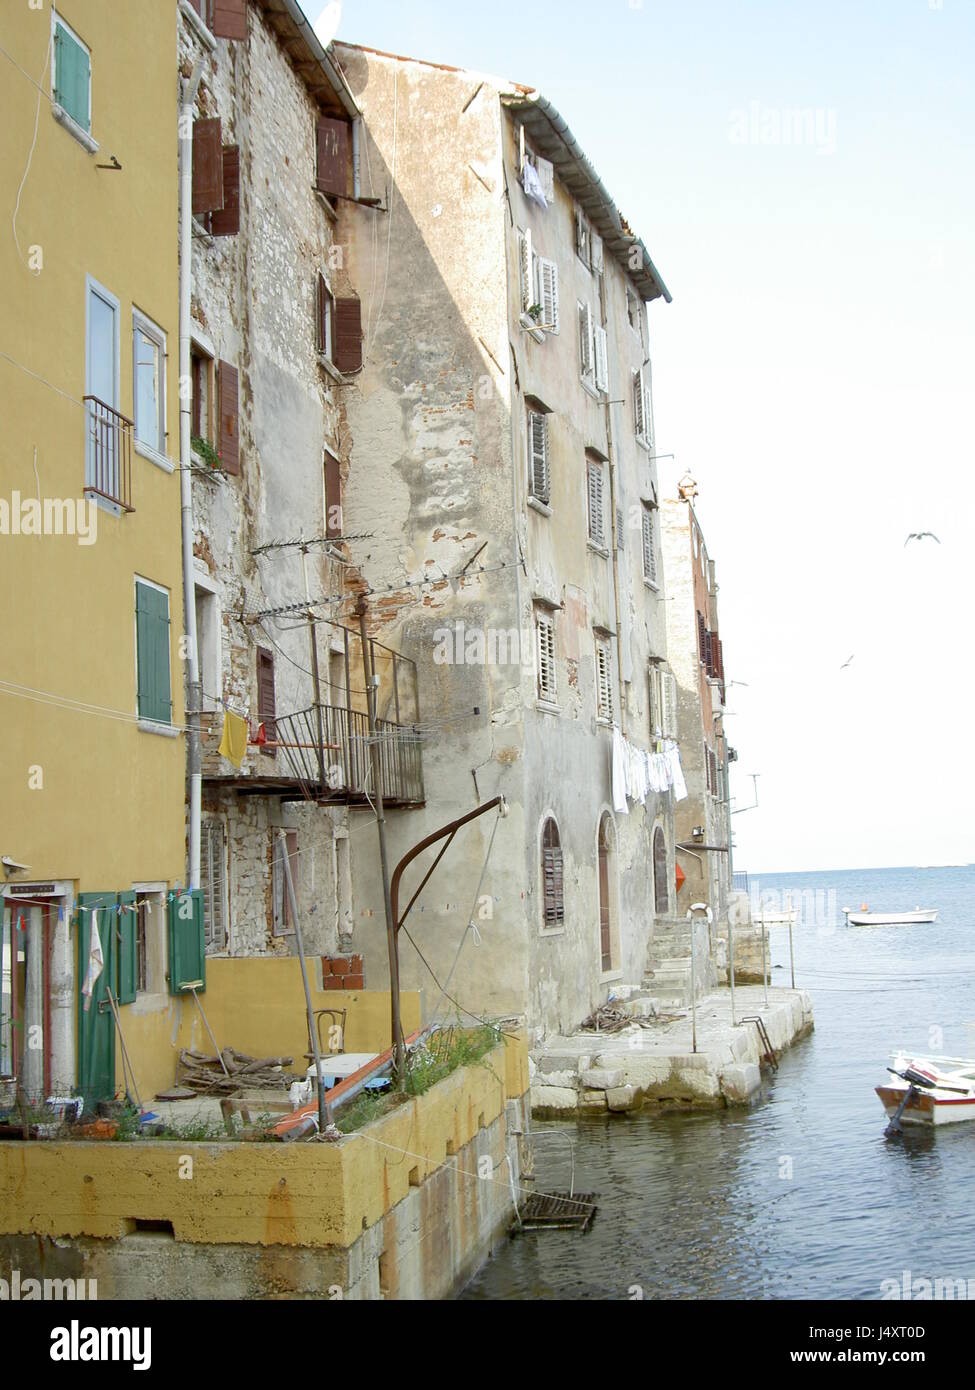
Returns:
point(668, 977)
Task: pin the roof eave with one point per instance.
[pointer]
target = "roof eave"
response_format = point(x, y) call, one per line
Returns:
point(551, 136)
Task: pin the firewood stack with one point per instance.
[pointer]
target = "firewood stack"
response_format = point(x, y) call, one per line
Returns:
point(203, 1074)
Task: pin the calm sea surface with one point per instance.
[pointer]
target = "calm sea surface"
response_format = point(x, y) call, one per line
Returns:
point(801, 1196)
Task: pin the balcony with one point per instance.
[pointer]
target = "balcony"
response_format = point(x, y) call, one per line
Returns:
point(108, 454)
point(322, 753)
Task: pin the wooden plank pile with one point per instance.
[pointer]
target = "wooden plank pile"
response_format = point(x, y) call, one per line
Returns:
point(203, 1074)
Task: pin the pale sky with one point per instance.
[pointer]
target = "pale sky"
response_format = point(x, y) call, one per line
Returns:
point(814, 371)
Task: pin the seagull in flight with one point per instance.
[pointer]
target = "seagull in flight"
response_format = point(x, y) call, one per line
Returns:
point(847, 662)
point(920, 535)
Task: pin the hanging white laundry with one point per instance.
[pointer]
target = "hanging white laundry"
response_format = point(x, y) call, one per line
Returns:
point(532, 184)
point(96, 960)
point(619, 773)
point(677, 773)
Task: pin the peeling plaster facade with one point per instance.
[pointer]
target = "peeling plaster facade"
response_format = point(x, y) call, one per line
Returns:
point(693, 590)
point(440, 476)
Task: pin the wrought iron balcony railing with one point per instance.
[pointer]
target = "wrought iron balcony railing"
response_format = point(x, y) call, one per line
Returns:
point(108, 455)
point(328, 752)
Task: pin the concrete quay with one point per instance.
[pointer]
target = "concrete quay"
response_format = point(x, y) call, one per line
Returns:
point(652, 1064)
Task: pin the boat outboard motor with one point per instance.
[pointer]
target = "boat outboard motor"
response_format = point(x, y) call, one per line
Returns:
point(915, 1078)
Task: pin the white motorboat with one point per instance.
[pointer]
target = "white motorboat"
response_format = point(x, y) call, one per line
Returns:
point(928, 1091)
point(865, 918)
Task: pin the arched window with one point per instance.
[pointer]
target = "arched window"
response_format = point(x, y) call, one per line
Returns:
point(661, 889)
point(607, 872)
point(553, 900)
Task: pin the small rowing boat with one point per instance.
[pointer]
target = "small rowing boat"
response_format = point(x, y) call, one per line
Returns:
point(928, 1091)
point(865, 918)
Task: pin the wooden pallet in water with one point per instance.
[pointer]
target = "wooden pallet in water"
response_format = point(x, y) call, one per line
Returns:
point(556, 1211)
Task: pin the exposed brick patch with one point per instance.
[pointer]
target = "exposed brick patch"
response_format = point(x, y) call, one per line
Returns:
point(342, 972)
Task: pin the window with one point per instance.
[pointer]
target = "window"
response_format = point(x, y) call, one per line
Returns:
point(583, 238)
point(149, 384)
point(283, 923)
point(107, 434)
point(600, 358)
point(201, 377)
point(208, 642)
point(545, 647)
point(527, 272)
point(539, 284)
point(633, 309)
point(553, 898)
point(548, 284)
point(154, 692)
point(661, 886)
point(213, 879)
point(649, 545)
point(596, 478)
point(142, 946)
point(325, 319)
point(604, 679)
point(265, 699)
point(586, 346)
point(702, 639)
point(539, 472)
point(642, 419)
point(71, 77)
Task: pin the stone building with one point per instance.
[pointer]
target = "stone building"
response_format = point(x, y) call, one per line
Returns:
point(503, 471)
point(275, 341)
point(703, 820)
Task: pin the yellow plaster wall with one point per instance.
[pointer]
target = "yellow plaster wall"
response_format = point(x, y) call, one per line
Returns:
point(255, 1004)
point(250, 1193)
point(110, 811)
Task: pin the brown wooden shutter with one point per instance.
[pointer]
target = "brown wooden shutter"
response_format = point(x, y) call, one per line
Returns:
point(322, 297)
point(265, 697)
point(333, 497)
point(229, 439)
point(701, 636)
point(226, 221)
point(229, 19)
point(348, 335)
point(708, 655)
point(207, 166)
point(333, 156)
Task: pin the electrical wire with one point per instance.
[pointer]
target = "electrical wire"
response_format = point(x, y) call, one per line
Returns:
point(33, 145)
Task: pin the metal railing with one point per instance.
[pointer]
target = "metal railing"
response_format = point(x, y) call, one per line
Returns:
point(327, 750)
point(739, 881)
point(108, 453)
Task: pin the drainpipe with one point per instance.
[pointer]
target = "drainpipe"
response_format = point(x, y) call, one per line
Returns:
point(194, 765)
point(616, 552)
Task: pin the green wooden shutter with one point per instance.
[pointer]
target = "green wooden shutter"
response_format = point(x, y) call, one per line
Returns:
point(96, 1026)
point(72, 82)
point(152, 633)
point(128, 965)
point(187, 947)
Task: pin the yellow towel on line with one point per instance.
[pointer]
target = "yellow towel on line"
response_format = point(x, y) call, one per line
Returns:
point(233, 744)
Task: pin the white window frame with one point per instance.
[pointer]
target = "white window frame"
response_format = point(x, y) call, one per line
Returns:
point(604, 677)
point(155, 995)
point(84, 137)
point(587, 352)
point(583, 238)
point(212, 656)
point(545, 659)
point(141, 323)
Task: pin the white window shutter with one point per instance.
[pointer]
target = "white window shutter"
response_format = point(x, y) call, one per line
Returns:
point(647, 407)
point(549, 277)
point(649, 548)
point(545, 629)
point(539, 475)
point(597, 525)
point(585, 340)
point(668, 686)
point(596, 242)
point(639, 403)
point(656, 704)
point(527, 257)
point(602, 358)
point(604, 680)
point(543, 168)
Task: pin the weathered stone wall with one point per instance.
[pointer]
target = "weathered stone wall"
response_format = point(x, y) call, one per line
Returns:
point(439, 471)
point(253, 306)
